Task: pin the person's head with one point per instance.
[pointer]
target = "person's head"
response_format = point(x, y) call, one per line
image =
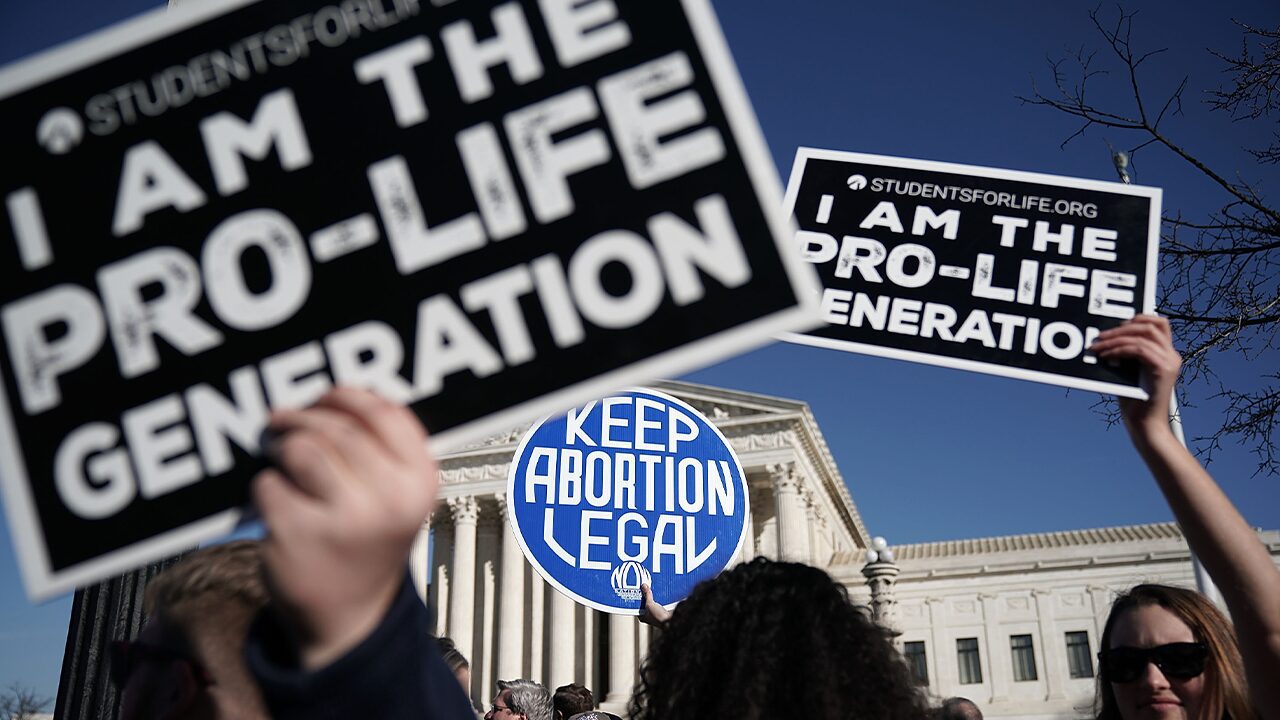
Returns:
point(959, 708)
point(188, 660)
point(1168, 654)
point(572, 699)
point(773, 639)
point(524, 699)
point(458, 664)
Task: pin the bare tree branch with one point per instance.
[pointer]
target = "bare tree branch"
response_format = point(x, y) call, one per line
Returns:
point(1220, 273)
point(20, 702)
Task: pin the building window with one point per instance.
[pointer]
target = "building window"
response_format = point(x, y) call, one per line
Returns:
point(1078, 657)
point(970, 664)
point(917, 661)
point(1024, 658)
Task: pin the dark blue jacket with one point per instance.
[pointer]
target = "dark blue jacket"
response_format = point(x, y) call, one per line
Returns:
point(394, 673)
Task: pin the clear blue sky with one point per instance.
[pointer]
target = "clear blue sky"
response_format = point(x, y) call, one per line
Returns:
point(928, 453)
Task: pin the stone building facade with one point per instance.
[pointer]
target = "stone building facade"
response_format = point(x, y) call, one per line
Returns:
point(1013, 622)
point(510, 623)
point(967, 610)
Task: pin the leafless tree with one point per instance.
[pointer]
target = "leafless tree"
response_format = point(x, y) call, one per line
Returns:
point(20, 702)
point(1220, 284)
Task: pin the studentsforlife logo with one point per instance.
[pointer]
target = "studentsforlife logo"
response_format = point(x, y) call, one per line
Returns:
point(636, 488)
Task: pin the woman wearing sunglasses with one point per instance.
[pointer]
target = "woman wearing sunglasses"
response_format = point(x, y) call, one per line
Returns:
point(1167, 653)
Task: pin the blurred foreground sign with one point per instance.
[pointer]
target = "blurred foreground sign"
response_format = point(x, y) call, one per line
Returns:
point(636, 488)
point(997, 271)
point(486, 210)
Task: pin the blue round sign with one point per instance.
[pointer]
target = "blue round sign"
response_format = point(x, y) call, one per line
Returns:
point(635, 488)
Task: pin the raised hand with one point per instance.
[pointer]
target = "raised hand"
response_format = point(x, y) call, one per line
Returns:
point(352, 485)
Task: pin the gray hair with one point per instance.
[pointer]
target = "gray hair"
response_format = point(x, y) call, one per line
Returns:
point(528, 698)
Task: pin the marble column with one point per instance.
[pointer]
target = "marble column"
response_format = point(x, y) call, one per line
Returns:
point(748, 551)
point(488, 539)
point(537, 626)
point(622, 662)
point(1053, 673)
point(792, 530)
point(561, 640)
point(811, 528)
point(463, 593)
point(991, 621)
point(1102, 597)
point(946, 676)
point(441, 559)
point(585, 672)
point(642, 644)
point(418, 558)
point(510, 600)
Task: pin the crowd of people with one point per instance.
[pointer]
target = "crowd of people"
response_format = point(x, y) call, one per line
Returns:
point(320, 619)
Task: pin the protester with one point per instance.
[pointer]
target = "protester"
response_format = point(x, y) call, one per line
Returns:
point(349, 636)
point(1169, 653)
point(958, 708)
point(188, 660)
point(524, 699)
point(1220, 538)
point(772, 639)
point(458, 664)
point(571, 700)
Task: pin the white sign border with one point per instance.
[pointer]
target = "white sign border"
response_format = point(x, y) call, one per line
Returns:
point(42, 582)
point(1153, 194)
point(551, 580)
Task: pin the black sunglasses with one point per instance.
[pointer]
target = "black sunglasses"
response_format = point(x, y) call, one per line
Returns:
point(124, 655)
point(1182, 660)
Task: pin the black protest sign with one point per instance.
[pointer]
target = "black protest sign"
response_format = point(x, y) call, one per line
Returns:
point(486, 210)
point(997, 271)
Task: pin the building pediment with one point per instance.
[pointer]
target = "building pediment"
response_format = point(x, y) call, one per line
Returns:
point(762, 429)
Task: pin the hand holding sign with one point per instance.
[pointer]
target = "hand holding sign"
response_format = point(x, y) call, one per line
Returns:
point(651, 613)
point(996, 271)
point(1149, 340)
point(546, 199)
point(354, 485)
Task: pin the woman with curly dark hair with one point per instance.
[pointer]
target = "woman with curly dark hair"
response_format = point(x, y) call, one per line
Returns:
point(772, 640)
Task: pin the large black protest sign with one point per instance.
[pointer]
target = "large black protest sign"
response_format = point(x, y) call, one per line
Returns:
point(998, 271)
point(487, 210)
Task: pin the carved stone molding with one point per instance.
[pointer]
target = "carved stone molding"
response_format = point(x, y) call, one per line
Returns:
point(489, 472)
point(507, 437)
point(762, 441)
point(465, 510)
point(784, 476)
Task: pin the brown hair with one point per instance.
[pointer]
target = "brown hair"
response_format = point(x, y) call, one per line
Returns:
point(209, 599)
point(1226, 694)
point(572, 699)
point(452, 656)
point(209, 582)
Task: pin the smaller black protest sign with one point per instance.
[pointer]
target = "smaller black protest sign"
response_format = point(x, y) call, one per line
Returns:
point(997, 271)
point(488, 211)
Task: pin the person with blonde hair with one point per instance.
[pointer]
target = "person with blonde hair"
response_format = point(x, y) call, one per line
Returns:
point(188, 660)
point(1169, 654)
